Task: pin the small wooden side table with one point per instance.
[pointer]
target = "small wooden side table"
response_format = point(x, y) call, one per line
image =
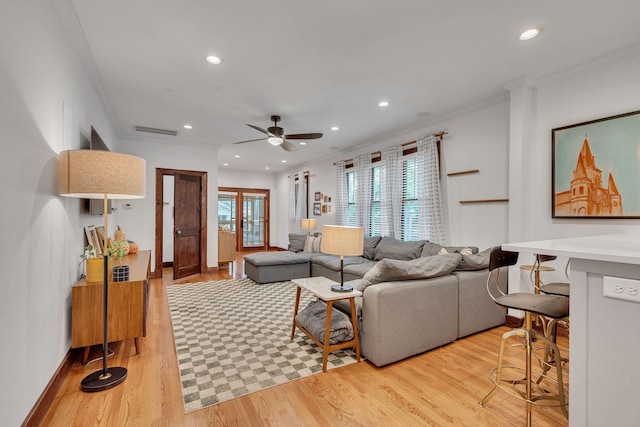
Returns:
point(321, 288)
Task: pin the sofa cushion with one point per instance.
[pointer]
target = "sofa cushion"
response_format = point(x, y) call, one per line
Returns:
point(478, 261)
point(370, 243)
point(275, 258)
point(296, 242)
point(388, 247)
point(359, 269)
point(312, 244)
point(388, 269)
point(430, 249)
point(332, 262)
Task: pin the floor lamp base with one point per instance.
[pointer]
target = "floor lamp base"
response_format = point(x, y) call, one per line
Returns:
point(96, 381)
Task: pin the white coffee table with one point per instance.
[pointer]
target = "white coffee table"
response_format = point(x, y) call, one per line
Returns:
point(321, 288)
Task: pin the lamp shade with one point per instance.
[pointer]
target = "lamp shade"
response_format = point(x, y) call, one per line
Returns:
point(342, 240)
point(309, 224)
point(96, 174)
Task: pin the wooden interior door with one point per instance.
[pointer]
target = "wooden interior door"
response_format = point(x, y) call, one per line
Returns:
point(187, 237)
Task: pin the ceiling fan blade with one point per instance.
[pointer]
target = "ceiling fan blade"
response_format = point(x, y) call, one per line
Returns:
point(304, 136)
point(250, 140)
point(288, 146)
point(259, 129)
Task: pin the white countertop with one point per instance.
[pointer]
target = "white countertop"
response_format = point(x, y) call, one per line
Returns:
point(622, 248)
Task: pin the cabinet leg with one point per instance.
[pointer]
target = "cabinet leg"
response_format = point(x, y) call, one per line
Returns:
point(85, 354)
point(137, 342)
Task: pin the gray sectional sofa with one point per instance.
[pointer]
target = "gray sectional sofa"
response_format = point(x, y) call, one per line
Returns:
point(416, 295)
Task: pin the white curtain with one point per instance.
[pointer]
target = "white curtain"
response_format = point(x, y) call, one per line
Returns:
point(431, 223)
point(297, 201)
point(341, 202)
point(362, 166)
point(390, 221)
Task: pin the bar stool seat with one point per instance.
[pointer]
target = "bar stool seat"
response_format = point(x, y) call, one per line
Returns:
point(550, 306)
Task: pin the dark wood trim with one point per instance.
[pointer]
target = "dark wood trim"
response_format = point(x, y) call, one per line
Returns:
point(513, 321)
point(167, 264)
point(160, 173)
point(42, 406)
point(517, 322)
point(463, 172)
point(267, 215)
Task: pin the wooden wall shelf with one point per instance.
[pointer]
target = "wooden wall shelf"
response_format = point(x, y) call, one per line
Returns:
point(463, 172)
point(467, 202)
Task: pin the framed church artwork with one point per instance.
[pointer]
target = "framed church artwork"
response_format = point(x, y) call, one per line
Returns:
point(595, 168)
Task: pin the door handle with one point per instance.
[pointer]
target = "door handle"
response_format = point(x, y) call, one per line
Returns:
point(178, 232)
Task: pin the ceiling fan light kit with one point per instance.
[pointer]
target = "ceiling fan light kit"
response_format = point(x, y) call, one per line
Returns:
point(275, 135)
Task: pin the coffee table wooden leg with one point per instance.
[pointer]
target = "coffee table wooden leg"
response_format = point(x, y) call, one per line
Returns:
point(354, 321)
point(295, 312)
point(327, 335)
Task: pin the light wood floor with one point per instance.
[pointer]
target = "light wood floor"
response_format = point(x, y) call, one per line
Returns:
point(440, 387)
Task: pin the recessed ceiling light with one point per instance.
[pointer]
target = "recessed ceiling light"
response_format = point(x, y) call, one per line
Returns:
point(283, 161)
point(266, 167)
point(529, 34)
point(214, 60)
point(335, 128)
point(188, 127)
point(383, 104)
point(303, 143)
point(237, 156)
point(225, 164)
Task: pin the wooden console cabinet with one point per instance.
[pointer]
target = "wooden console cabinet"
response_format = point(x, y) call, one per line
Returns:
point(226, 248)
point(127, 308)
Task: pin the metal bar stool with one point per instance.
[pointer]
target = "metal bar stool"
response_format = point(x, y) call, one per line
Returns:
point(550, 306)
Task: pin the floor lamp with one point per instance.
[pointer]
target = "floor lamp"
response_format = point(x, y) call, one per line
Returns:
point(342, 240)
point(96, 174)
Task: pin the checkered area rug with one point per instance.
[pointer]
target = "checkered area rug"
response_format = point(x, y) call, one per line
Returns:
point(233, 337)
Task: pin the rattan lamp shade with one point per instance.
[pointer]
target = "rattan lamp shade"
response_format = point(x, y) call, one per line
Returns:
point(309, 224)
point(342, 240)
point(92, 174)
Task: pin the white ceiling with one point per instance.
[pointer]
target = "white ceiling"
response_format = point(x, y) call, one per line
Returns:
point(325, 63)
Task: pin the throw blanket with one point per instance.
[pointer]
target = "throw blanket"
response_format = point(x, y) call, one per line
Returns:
point(314, 317)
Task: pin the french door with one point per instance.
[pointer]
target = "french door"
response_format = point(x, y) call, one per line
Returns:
point(246, 212)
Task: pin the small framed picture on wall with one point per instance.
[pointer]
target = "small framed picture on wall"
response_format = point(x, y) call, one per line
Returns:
point(318, 196)
point(316, 208)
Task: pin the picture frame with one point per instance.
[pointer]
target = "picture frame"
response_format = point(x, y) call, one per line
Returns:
point(100, 233)
point(326, 198)
point(317, 209)
point(324, 209)
point(318, 196)
point(93, 239)
point(594, 168)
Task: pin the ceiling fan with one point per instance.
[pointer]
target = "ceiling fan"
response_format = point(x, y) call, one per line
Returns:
point(275, 135)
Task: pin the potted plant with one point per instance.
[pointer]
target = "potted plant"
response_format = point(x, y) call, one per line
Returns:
point(118, 249)
point(95, 265)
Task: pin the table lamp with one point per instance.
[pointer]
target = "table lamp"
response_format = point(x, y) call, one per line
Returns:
point(342, 240)
point(309, 224)
point(97, 174)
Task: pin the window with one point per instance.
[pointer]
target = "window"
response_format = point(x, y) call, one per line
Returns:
point(409, 226)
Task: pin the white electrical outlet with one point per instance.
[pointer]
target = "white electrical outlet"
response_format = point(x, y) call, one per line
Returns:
point(620, 288)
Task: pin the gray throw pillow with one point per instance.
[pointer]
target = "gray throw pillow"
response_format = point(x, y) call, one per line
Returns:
point(397, 249)
point(388, 270)
point(370, 243)
point(430, 249)
point(478, 261)
point(296, 242)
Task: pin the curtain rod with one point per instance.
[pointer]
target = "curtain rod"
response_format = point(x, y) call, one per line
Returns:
point(378, 153)
point(296, 174)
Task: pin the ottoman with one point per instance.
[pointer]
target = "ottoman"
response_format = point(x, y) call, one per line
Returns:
point(267, 267)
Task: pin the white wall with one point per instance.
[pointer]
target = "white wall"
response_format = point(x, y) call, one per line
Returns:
point(42, 232)
point(475, 140)
point(593, 91)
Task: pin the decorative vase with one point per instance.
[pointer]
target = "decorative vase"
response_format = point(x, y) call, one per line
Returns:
point(95, 270)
